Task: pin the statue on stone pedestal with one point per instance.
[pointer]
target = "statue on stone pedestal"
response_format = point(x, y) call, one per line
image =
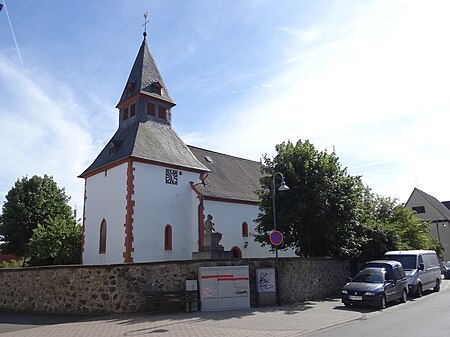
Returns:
point(212, 237)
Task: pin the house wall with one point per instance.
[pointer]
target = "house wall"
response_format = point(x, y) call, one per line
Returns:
point(158, 204)
point(441, 231)
point(228, 218)
point(431, 213)
point(439, 227)
point(105, 199)
point(121, 288)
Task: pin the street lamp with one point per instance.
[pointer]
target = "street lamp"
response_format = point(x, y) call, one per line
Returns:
point(283, 187)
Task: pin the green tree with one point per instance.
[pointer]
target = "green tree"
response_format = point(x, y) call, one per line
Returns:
point(388, 225)
point(320, 208)
point(31, 202)
point(57, 243)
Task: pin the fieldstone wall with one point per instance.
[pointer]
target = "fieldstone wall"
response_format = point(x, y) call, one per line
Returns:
point(121, 288)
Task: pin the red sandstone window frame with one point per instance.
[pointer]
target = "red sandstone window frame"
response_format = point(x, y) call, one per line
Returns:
point(168, 237)
point(102, 240)
point(132, 110)
point(244, 230)
point(237, 253)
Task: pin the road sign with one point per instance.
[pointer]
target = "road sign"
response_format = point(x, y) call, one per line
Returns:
point(276, 238)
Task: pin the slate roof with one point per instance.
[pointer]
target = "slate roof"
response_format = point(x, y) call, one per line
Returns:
point(151, 141)
point(439, 206)
point(230, 177)
point(143, 75)
point(446, 204)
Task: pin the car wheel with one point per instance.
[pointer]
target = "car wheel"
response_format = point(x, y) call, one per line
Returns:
point(383, 302)
point(404, 296)
point(419, 290)
point(437, 287)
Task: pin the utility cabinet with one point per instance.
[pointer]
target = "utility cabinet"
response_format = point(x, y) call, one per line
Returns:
point(224, 288)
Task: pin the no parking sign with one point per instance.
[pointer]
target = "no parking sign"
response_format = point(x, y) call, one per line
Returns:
point(276, 238)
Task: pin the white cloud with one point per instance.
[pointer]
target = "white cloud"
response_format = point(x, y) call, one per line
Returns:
point(42, 130)
point(378, 92)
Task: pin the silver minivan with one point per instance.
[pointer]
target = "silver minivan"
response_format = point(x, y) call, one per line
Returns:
point(422, 269)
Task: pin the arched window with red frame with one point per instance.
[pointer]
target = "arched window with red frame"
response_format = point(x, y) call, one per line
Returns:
point(168, 237)
point(244, 230)
point(237, 253)
point(102, 241)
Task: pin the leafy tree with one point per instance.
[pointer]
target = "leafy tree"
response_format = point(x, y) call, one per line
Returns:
point(31, 202)
point(320, 208)
point(57, 243)
point(327, 212)
point(388, 225)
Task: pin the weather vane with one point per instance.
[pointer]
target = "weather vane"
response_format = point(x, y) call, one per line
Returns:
point(145, 24)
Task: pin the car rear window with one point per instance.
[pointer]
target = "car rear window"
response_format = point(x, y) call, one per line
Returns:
point(408, 261)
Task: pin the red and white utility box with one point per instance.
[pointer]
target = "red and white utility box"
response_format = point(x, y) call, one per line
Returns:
point(224, 288)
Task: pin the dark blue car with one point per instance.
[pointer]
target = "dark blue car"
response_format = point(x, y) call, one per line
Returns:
point(374, 286)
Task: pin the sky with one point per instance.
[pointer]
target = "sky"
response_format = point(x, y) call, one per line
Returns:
point(369, 79)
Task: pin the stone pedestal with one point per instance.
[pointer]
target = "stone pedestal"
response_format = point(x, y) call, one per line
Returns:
point(212, 250)
point(212, 255)
point(213, 240)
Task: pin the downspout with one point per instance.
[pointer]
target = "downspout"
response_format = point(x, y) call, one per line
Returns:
point(201, 217)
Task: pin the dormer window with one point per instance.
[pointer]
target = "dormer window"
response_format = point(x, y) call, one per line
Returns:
point(157, 88)
point(132, 110)
point(129, 88)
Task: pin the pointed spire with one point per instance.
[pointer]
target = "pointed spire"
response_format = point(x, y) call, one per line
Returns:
point(145, 78)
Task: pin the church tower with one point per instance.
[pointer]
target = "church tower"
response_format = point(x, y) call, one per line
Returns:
point(138, 203)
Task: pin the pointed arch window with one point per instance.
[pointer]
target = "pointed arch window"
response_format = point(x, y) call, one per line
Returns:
point(168, 237)
point(244, 230)
point(102, 243)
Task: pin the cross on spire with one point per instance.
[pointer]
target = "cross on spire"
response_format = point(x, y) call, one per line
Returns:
point(145, 24)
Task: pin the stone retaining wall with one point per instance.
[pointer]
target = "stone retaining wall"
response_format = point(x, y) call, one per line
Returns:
point(121, 288)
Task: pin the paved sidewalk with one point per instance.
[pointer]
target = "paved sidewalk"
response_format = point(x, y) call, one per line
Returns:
point(284, 321)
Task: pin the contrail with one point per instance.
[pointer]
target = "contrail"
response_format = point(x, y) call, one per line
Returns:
point(12, 31)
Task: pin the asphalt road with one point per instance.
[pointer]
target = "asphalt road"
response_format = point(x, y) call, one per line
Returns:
point(419, 317)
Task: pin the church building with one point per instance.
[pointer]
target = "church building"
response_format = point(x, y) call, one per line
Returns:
point(147, 195)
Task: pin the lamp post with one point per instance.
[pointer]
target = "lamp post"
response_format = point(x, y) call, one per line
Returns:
point(283, 187)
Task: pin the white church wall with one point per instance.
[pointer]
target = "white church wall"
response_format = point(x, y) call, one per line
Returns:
point(228, 219)
point(158, 204)
point(106, 199)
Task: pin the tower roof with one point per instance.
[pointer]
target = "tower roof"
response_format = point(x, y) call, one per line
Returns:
point(145, 78)
point(154, 143)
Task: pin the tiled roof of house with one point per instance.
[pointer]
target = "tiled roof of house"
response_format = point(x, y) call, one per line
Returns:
point(231, 177)
point(150, 141)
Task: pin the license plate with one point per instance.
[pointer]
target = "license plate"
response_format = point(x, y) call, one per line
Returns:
point(355, 298)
